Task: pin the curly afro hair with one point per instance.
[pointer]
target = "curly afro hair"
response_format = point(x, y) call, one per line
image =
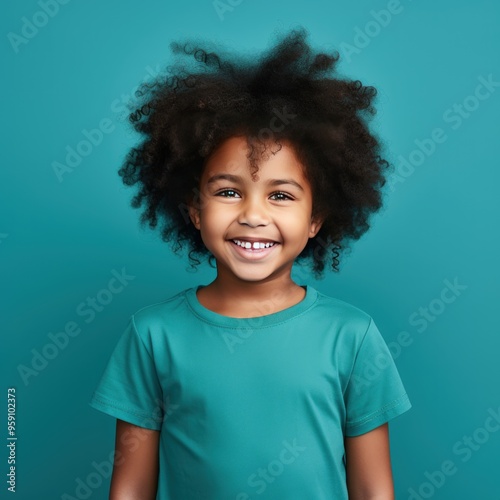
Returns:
point(185, 114)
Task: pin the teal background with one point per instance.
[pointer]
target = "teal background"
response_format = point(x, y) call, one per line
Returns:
point(60, 241)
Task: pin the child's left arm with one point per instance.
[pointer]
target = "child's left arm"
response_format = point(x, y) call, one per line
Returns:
point(368, 465)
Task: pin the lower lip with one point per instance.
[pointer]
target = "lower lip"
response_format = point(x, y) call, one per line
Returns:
point(252, 254)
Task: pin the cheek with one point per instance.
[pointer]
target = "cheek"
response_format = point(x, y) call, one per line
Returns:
point(296, 227)
point(215, 219)
point(295, 220)
point(218, 213)
point(294, 231)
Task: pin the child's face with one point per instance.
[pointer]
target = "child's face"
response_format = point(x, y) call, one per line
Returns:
point(241, 208)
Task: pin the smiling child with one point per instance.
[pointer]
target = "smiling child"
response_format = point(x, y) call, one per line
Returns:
point(254, 386)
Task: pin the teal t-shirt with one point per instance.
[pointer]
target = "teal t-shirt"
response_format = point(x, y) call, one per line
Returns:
point(252, 407)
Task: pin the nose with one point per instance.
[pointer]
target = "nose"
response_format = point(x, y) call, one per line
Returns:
point(253, 212)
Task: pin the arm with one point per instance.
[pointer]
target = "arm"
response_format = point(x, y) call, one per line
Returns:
point(135, 471)
point(368, 465)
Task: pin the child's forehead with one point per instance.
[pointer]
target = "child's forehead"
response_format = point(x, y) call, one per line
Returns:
point(242, 155)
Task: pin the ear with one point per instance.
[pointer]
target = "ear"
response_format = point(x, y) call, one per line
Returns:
point(194, 215)
point(316, 224)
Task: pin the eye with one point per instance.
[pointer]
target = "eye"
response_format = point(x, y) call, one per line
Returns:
point(226, 191)
point(279, 193)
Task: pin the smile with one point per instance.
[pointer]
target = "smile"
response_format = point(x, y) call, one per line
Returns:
point(256, 245)
point(253, 251)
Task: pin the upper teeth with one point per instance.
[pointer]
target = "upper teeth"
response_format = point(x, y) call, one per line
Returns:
point(256, 244)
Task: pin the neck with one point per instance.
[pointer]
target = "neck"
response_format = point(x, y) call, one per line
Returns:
point(250, 299)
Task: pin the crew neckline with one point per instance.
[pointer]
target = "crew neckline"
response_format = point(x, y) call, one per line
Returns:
point(253, 322)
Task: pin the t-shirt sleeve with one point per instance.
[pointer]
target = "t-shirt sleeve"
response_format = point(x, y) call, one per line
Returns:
point(375, 393)
point(129, 388)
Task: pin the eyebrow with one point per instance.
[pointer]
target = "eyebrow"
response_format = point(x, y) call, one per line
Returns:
point(237, 178)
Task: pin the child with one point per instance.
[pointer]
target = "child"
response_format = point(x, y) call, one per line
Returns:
point(254, 386)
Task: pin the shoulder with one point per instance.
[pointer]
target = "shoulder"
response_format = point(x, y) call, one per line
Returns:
point(159, 314)
point(347, 325)
point(342, 313)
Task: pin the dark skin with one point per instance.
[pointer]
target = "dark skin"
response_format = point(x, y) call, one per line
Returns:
point(368, 465)
point(135, 472)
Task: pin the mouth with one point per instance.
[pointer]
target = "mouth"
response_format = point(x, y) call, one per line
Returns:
point(254, 245)
point(254, 250)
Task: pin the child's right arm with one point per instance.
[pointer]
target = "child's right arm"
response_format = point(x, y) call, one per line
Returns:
point(135, 471)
